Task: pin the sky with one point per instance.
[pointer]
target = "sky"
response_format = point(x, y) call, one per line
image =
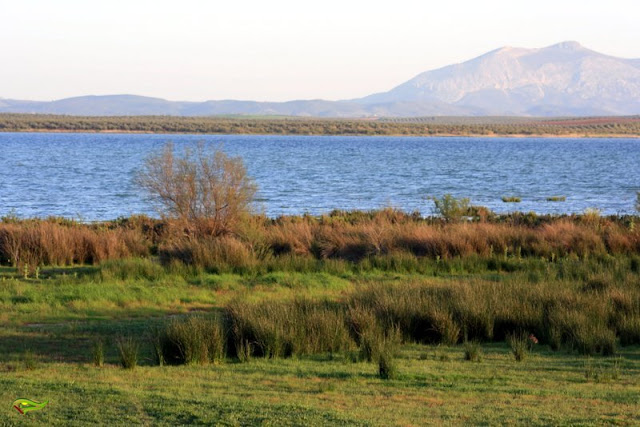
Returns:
point(277, 50)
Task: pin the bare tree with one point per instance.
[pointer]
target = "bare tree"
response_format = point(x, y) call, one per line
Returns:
point(205, 188)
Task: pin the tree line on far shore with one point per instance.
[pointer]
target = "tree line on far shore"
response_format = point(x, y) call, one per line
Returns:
point(616, 126)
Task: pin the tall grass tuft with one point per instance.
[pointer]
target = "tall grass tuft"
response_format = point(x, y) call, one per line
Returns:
point(131, 269)
point(97, 353)
point(387, 367)
point(29, 360)
point(472, 351)
point(128, 349)
point(520, 345)
point(194, 339)
point(156, 336)
point(284, 329)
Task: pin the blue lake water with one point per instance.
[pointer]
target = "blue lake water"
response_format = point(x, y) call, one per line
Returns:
point(89, 176)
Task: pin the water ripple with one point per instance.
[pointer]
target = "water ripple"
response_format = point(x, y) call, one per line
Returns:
point(89, 175)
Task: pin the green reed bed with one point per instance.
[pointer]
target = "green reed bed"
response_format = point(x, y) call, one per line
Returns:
point(511, 199)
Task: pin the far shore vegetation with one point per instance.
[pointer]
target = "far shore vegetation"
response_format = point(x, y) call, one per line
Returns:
point(626, 126)
point(213, 314)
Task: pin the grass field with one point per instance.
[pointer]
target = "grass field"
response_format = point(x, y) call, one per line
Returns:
point(50, 326)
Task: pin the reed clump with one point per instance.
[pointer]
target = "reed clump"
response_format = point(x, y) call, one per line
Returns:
point(128, 350)
point(193, 340)
point(97, 353)
point(382, 239)
point(511, 199)
point(520, 344)
point(559, 314)
point(472, 351)
point(283, 329)
point(589, 307)
point(51, 242)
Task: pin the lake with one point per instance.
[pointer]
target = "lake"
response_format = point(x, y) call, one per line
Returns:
point(89, 176)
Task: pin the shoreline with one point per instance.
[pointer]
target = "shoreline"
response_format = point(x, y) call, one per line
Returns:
point(398, 135)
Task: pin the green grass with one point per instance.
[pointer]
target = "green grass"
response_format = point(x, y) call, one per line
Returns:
point(90, 293)
point(556, 198)
point(549, 388)
point(50, 327)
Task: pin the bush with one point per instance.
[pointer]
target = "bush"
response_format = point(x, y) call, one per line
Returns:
point(205, 189)
point(450, 208)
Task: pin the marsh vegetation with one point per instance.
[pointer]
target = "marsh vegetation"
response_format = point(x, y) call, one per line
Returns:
point(214, 314)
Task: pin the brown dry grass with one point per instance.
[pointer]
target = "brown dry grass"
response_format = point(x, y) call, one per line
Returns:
point(350, 236)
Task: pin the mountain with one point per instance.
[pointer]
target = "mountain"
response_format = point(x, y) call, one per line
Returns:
point(132, 105)
point(564, 79)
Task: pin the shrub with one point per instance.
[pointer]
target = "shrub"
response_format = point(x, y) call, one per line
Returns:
point(205, 189)
point(451, 208)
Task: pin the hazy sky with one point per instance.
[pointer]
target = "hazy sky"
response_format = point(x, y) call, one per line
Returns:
point(277, 49)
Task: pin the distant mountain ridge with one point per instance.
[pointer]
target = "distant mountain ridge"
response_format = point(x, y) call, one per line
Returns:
point(564, 79)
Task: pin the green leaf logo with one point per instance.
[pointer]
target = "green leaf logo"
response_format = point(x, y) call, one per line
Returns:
point(25, 405)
